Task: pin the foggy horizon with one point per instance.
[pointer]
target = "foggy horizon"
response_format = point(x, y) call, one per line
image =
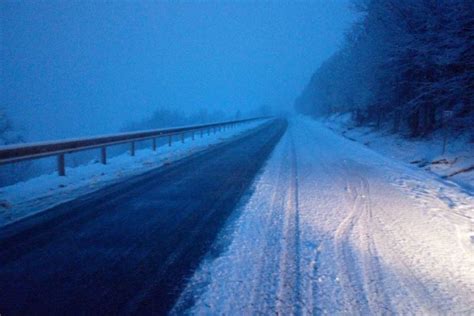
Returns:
point(75, 69)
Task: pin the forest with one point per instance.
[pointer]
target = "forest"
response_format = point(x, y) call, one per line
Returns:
point(404, 65)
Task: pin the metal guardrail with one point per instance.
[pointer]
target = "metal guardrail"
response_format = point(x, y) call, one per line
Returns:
point(16, 153)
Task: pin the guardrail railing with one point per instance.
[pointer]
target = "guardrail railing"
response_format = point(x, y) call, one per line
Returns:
point(21, 152)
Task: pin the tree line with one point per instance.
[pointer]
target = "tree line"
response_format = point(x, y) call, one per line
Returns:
point(405, 65)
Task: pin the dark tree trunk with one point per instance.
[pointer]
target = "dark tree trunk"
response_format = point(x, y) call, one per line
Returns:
point(414, 123)
point(397, 114)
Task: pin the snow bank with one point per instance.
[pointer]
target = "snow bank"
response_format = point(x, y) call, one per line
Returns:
point(457, 163)
point(34, 195)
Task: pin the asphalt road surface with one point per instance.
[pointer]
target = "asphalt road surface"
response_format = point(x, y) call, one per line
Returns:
point(129, 248)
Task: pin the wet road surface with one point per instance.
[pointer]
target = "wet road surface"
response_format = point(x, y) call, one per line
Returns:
point(129, 248)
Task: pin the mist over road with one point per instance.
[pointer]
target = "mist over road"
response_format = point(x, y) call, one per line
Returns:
point(129, 248)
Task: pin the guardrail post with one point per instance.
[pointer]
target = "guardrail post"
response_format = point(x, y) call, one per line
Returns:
point(202, 131)
point(192, 135)
point(182, 138)
point(170, 140)
point(61, 165)
point(208, 131)
point(153, 144)
point(132, 149)
point(103, 155)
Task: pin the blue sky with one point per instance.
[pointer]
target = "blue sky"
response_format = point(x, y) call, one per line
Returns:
point(72, 68)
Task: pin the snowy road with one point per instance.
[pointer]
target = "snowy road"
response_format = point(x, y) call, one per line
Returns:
point(335, 228)
point(129, 248)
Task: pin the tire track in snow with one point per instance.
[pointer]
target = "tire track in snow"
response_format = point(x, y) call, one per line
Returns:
point(360, 274)
point(354, 298)
point(289, 295)
point(377, 297)
point(260, 300)
point(310, 273)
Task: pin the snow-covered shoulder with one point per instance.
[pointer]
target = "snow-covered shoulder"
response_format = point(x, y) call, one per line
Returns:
point(456, 163)
point(333, 227)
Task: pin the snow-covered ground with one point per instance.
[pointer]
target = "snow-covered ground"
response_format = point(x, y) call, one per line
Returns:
point(29, 197)
point(333, 227)
point(456, 163)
